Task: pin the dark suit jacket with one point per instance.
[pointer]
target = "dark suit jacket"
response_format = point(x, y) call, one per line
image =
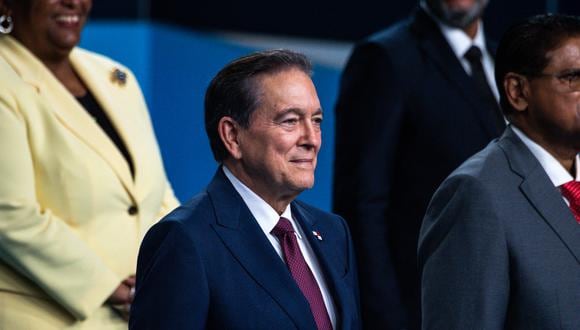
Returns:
point(209, 265)
point(499, 247)
point(407, 115)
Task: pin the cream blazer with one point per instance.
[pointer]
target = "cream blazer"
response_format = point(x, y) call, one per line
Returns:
point(69, 233)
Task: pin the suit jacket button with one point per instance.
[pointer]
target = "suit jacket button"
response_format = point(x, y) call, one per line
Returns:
point(132, 210)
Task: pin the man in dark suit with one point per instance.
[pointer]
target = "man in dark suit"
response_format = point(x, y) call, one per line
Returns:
point(243, 254)
point(500, 243)
point(415, 102)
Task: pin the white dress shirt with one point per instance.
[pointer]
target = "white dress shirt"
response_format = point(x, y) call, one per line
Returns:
point(460, 43)
point(556, 172)
point(267, 218)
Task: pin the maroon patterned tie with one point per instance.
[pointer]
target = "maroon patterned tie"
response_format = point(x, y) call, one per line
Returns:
point(302, 273)
point(571, 190)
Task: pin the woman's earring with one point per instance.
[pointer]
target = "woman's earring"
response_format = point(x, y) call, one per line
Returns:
point(6, 24)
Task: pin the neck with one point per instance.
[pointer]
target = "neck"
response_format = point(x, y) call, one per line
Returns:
point(565, 156)
point(58, 62)
point(65, 73)
point(279, 201)
point(563, 152)
point(47, 55)
point(471, 29)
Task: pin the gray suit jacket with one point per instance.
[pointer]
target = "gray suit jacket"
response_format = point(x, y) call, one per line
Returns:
point(499, 247)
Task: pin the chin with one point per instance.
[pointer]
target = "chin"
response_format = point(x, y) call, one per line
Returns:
point(65, 39)
point(299, 186)
point(306, 185)
point(70, 43)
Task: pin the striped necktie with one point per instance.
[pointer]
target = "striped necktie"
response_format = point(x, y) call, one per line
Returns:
point(571, 191)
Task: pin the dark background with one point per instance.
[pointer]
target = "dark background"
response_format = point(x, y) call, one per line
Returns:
point(326, 19)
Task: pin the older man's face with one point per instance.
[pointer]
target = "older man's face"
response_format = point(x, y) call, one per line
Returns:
point(457, 13)
point(553, 102)
point(280, 147)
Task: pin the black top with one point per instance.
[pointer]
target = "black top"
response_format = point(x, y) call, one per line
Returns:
point(90, 104)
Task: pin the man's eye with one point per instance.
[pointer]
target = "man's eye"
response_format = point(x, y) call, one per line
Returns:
point(317, 120)
point(290, 121)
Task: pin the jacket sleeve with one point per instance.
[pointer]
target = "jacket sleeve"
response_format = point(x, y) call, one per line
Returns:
point(464, 259)
point(172, 290)
point(36, 243)
point(369, 114)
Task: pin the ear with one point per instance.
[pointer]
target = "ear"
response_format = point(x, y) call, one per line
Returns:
point(516, 89)
point(229, 131)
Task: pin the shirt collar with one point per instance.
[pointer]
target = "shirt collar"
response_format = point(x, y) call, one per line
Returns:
point(265, 215)
point(556, 172)
point(457, 39)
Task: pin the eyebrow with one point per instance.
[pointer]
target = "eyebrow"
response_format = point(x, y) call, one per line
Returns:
point(570, 70)
point(297, 111)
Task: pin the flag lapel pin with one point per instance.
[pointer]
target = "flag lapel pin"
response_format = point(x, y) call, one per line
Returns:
point(317, 235)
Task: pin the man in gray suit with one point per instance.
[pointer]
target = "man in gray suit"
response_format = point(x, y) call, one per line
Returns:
point(500, 243)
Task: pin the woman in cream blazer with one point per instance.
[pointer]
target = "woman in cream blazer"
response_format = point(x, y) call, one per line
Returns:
point(72, 216)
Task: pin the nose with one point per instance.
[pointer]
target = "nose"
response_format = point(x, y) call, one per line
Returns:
point(311, 135)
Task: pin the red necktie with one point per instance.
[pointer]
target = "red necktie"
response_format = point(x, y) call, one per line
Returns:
point(571, 190)
point(302, 273)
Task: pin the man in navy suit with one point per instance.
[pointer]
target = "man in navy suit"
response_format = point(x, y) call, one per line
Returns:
point(500, 243)
point(243, 254)
point(416, 100)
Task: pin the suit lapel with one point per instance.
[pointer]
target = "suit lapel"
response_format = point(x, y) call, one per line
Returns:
point(433, 44)
point(66, 107)
point(110, 98)
point(244, 238)
point(540, 191)
point(329, 258)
